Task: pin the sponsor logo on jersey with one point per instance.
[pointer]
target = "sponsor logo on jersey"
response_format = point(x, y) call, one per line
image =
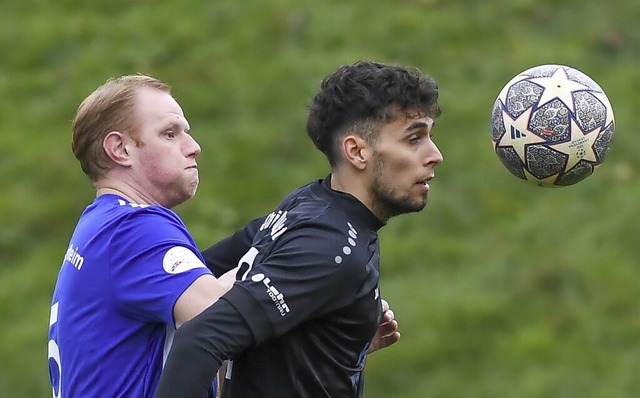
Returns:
point(276, 296)
point(73, 257)
point(180, 259)
point(276, 222)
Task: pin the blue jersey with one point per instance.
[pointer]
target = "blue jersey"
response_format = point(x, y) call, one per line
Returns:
point(111, 321)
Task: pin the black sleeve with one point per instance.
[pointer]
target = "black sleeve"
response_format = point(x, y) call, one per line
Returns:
point(225, 255)
point(200, 346)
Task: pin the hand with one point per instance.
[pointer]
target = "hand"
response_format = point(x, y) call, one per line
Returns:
point(387, 333)
point(228, 278)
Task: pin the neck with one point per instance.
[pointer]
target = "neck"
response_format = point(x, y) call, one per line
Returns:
point(113, 191)
point(357, 186)
point(121, 188)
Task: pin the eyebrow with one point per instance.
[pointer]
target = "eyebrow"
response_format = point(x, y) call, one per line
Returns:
point(416, 126)
point(176, 125)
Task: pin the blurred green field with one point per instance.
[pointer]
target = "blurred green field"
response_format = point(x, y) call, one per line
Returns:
point(502, 289)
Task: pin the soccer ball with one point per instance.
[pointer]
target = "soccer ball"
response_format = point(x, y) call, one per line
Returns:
point(552, 125)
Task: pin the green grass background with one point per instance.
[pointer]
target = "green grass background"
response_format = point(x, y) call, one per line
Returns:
point(502, 289)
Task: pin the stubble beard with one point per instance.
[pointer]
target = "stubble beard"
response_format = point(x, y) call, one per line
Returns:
point(385, 199)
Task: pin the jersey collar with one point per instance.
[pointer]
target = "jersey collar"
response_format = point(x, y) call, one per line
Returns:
point(349, 203)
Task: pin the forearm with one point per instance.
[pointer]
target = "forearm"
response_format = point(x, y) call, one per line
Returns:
point(199, 348)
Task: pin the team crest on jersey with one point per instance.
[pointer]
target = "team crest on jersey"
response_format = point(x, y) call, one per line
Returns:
point(180, 259)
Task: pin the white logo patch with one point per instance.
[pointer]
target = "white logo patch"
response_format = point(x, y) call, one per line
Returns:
point(275, 221)
point(180, 259)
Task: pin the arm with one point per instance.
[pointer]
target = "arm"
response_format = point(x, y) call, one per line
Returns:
point(200, 295)
point(203, 292)
point(222, 257)
point(199, 348)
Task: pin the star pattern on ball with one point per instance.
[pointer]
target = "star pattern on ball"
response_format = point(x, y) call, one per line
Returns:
point(580, 147)
point(547, 181)
point(558, 86)
point(519, 139)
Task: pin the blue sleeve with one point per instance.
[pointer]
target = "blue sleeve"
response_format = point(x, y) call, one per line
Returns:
point(154, 261)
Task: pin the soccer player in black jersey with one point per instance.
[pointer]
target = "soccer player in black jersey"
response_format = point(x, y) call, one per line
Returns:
point(300, 319)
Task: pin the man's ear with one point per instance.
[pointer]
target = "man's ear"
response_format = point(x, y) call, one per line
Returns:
point(115, 146)
point(356, 151)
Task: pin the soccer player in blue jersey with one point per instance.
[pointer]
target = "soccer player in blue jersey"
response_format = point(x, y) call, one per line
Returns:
point(300, 319)
point(132, 273)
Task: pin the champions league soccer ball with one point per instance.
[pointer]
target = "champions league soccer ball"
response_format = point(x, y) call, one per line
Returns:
point(552, 125)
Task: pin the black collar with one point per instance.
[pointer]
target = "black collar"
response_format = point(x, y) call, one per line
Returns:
point(348, 203)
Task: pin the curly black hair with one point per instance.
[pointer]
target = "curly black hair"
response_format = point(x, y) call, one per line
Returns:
point(359, 97)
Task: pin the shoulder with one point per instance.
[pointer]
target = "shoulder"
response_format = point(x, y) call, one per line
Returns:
point(320, 231)
point(317, 225)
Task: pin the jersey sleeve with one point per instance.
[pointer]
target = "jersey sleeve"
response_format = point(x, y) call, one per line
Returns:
point(199, 348)
point(225, 255)
point(308, 271)
point(154, 260)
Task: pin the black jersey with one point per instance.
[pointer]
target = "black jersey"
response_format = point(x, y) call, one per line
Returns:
point(300, 318)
